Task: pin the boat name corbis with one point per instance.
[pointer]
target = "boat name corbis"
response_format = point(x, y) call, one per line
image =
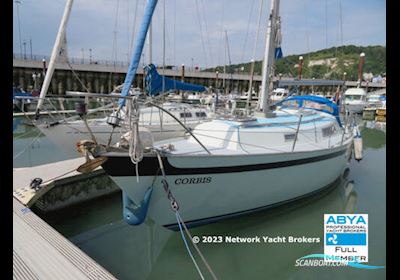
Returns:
point(198, 180)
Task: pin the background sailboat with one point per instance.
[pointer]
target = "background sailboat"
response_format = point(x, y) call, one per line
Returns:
point(65, 133)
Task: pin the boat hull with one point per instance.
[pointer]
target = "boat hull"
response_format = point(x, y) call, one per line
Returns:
point(356, 107)
point(211, 188)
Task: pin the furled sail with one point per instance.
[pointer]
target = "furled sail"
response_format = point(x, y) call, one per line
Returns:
point(278, 53)
point(141, 37)
point(278, 40)
point(154, 83)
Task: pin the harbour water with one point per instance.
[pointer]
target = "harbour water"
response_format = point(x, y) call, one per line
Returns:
point(152, 252)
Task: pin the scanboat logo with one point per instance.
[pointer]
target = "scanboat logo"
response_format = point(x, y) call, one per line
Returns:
point(319, 260)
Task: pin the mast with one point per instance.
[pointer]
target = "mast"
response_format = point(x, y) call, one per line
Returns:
point(249, 97)
point(137, 53)
point(18, 2)
point(63, 53)
point(163, 46)
point(269, 58)
point(360, 69)
point(227, 55)
point(54, 55)
point(226, 43)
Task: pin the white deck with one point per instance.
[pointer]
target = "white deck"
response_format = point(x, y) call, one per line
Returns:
point(193, 148)
point(39, 251)
point(261, 136)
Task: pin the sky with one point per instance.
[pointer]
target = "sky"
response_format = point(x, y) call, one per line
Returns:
point(202, 33)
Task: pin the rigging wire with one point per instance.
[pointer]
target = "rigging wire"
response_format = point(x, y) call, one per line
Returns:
point(258, 29)
point(254, 49)
point(77, 77)
point(228, 52)
point(340, 22)
point(114, 44)
point(340, 31)
point(18, 2)
point(201, 33)
point(133, 29)
point(169, 52)
point(180, 222)
point(174, 37)
point(163, 50)
point(326, 24)
point(307, 35)
point(220, 45)
point(207, 35)
point(128, 29)
point(247, 31)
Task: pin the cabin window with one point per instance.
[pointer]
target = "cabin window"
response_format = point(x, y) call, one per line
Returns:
point(353, 97)
point(186, 115)
point(289, 137)
point(201, 114)
point(328, 131)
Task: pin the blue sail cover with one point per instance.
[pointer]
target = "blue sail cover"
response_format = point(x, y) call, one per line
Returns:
point(278, 53)
point(19, 93)
point(137, 53)
point(305, 100)
point(278, 41)
point(154, 83)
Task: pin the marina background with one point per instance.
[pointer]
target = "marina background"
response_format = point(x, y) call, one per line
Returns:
point(149, 251)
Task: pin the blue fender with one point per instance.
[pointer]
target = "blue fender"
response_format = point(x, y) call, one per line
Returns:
point(132, 213)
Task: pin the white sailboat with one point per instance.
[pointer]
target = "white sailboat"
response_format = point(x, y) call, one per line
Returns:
point(279, 94)
point(233, 166)
point(376, 101)
point(252, 164)
point(356, 98)
point(65, 133)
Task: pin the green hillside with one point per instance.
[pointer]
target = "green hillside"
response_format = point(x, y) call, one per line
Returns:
point(328, 63)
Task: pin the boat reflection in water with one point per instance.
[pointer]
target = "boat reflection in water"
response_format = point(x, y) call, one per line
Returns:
point(374, 134)
point(150, 251)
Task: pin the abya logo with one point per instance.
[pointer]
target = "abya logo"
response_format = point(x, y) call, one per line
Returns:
point(345, 244)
